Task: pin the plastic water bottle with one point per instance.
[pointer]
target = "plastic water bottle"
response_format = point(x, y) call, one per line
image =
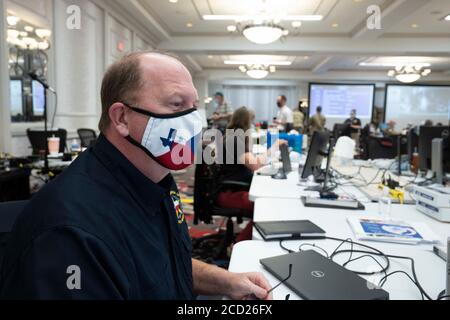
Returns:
point(75, 146)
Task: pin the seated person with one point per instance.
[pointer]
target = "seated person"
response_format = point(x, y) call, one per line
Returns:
point(240, 163)
point(390, 130)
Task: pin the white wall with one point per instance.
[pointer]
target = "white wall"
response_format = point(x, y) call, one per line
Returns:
point(79, 62)
point(5, 141)
point(78, 59)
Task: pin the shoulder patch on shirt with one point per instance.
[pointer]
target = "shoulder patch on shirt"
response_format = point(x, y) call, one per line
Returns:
point(177, 205)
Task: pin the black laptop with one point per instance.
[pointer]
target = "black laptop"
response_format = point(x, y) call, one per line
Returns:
point(286, 230)
point(315, 277)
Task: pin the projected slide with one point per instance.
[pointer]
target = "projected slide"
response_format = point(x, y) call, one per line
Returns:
point(338, 100)
point(38, 98)
point(16, 99)
point(415, 104)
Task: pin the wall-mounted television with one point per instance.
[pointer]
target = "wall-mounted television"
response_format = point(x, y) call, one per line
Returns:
point(338, 100)
point(413, 104)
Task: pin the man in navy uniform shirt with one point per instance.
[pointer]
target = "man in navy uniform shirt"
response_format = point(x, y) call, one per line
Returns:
point(111, 227)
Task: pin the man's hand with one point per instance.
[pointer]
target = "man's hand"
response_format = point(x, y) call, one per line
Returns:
point(212, 280)
point(247, 286)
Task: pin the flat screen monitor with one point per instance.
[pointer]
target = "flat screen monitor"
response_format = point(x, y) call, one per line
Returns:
point(413, 104)
point(16, 97)
point(338, 100)
point(426, 137)
point(38, 98)
point(317, 151)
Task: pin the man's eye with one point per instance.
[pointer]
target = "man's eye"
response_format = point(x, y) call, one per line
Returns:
point(177, 104)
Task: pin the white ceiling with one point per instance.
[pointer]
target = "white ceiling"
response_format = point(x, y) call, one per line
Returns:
point(411, 29)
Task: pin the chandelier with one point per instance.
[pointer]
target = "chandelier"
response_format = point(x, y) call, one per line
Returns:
point(263, 28)
point(409, 73)
point(264, 33)
point(257, 71)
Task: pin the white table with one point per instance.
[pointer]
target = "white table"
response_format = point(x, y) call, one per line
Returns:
point(266, 187)
point(430, 268)
point(333, 221)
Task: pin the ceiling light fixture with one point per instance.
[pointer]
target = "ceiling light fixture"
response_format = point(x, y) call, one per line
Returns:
point(12, 20)
point(264, 33)
point(447, 18)
point(43, 33)
point(13, 34)
point(232, 28)
point(224, 17)
point(247, 62)
point(257, 71)
point(264, 28)
point(409, 73)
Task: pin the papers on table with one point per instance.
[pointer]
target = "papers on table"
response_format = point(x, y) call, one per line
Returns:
point(396, 231)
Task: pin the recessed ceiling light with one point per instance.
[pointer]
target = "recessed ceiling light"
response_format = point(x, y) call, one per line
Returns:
point(447, 18)
point(414, 26)
point(335, 25)
point(173, 1)
point(189, 25)
point(296, 24)
point(210, 57)
point(218, 17)
point(250, 62)
point(231, 28)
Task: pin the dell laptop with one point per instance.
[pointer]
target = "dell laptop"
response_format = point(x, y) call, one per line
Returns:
point(315, 277)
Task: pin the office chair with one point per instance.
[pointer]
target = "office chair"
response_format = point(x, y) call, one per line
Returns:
point(87, 137)
point(9, 212)
point(340, 130)
point(208, 185)
point(38, 140)
point(381, 148)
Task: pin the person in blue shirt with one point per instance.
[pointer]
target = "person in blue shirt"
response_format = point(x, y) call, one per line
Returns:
point(112, 226)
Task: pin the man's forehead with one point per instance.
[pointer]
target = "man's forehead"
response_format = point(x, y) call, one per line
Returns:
point(167, 73)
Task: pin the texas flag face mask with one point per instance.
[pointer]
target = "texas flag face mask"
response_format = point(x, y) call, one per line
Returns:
point(171, 139)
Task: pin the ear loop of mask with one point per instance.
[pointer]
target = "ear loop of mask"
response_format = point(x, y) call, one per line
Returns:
point(140, 146)
point(160, 116)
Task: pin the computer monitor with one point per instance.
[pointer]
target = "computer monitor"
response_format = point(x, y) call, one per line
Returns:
point(317, 151)
point(16, 97)
point(426, 137)
point(38, 139)
point(340, 130)
point(285, 159)
point(38, 98)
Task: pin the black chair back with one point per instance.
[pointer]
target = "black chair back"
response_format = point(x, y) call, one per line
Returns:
point(381, 148)
point(38, 139)
point(87, 137)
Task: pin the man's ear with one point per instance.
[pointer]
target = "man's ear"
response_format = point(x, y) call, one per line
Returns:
point(119, 119)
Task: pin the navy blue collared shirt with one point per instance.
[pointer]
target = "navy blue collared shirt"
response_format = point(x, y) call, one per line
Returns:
point(101, 230)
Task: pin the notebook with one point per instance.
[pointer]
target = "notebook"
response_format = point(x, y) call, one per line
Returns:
point(282, 230)
point(394, 231)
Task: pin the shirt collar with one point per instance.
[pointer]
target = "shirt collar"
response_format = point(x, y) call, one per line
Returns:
point(147, 193)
